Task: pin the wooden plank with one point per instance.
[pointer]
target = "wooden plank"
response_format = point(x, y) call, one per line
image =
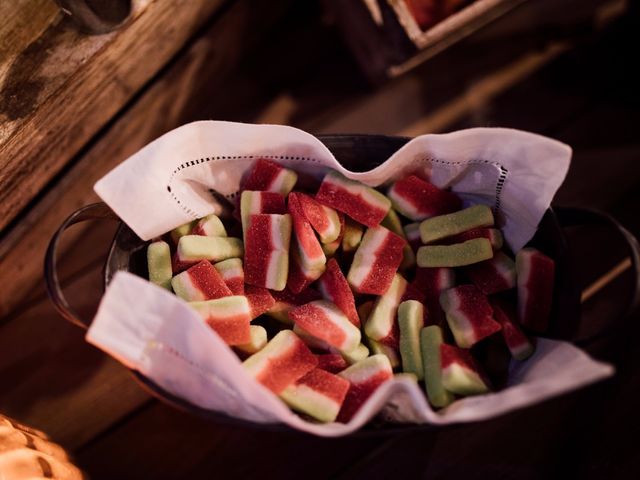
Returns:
point(181, 95)
point(81, 81)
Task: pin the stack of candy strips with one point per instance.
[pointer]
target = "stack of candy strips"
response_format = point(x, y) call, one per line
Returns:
point(327, 294)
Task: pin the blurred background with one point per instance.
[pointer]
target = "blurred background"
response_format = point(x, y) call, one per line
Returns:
point(84, 84)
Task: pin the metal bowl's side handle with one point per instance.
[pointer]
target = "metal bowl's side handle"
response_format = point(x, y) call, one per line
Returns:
point(95, 211)
point(574, 216)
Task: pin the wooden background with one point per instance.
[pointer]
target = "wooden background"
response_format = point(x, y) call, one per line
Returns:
point(73, 106)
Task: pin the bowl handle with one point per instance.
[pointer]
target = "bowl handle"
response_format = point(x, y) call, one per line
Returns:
point(575, 216)
point(95, 211)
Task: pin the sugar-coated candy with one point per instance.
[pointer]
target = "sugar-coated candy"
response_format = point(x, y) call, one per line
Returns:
point(159, 264)
point(519, 345)
point(285, 300)
point(492, 234)
point(209, 226)
point(376, 261)
point(331, 248)
point(430, 341)
point(232, 273)
point(200, 282)
point(325, 321)
point(194, 248)
point(281, 362)
point(310, 253)
point(324, 220)
point(356, 200)
point(318, 394)
point(299, 276)
point(418, 199)
point(457, 255)
point(460, 372)
point(331, 362)
point(230, 317)
point(469, 314)
point(432, 282)
point(269, 176)
point(359, 353)
point(535, 278)
point(381, 324)
point(378, 348)
point(494, 275)
point(352, 237)
point(393, 223)
point(334, 287)
point(256, 202)
point(260, 300)
point(411, 321)
point(257, 342)
point(443, 226)
point(179, 232)
point(364, 379)
point(312, 342)
point(266, 262)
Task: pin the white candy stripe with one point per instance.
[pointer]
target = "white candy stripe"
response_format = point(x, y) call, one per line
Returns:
point(365, 369)
point(336, 317)
point(277, 270)
point(364, 258)
point(283, 341)
point(382, 316)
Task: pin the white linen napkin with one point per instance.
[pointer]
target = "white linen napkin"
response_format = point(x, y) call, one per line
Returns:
point(168, 183)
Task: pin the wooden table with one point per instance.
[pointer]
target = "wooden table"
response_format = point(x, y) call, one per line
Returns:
point(249, 61)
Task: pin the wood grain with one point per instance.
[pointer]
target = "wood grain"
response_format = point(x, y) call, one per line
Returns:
point(182, 94)
point(64, 86)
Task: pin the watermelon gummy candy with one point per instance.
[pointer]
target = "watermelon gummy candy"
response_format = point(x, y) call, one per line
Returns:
point(364, 378)
point(392, 222)
point(460, 372)
point(378, 348)
point(209, 226)
point(300, 277)
point(352, 235)
point(318, 394)
point(430, 342)
point(194, 248)
point(417, 199)
point(257, 342)
point(232, 273)
point(356, 200)
point(254, 203)
point(310, 253)
point(324, 220)
point(535, 274)
point(457, 255)
point(159, 264)
point(200, 282)
point(312, 342)
point(432, 282)
point(517, 342)
point(179, 232)
point(331, 248)
point(494, 275)
point(266, 262)
point(326, 322)
point(260, 300)
point(411, 321)
point(381, 324)
point(376, 261)
point(281, 362)
point(469, 314)
point(269, 176)
point(331, 362)
point(228, 316)
point(359, 353)
point(285, 300)
point(443, 226)
point(334, 288)
point(492, 234)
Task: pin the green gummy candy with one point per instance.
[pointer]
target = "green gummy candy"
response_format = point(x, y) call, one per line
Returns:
point(410, 321)
point(159, 264)
point(430, 341)
point(443, 226)
point(179, 232)
point(216, 249)
point(457, 255)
